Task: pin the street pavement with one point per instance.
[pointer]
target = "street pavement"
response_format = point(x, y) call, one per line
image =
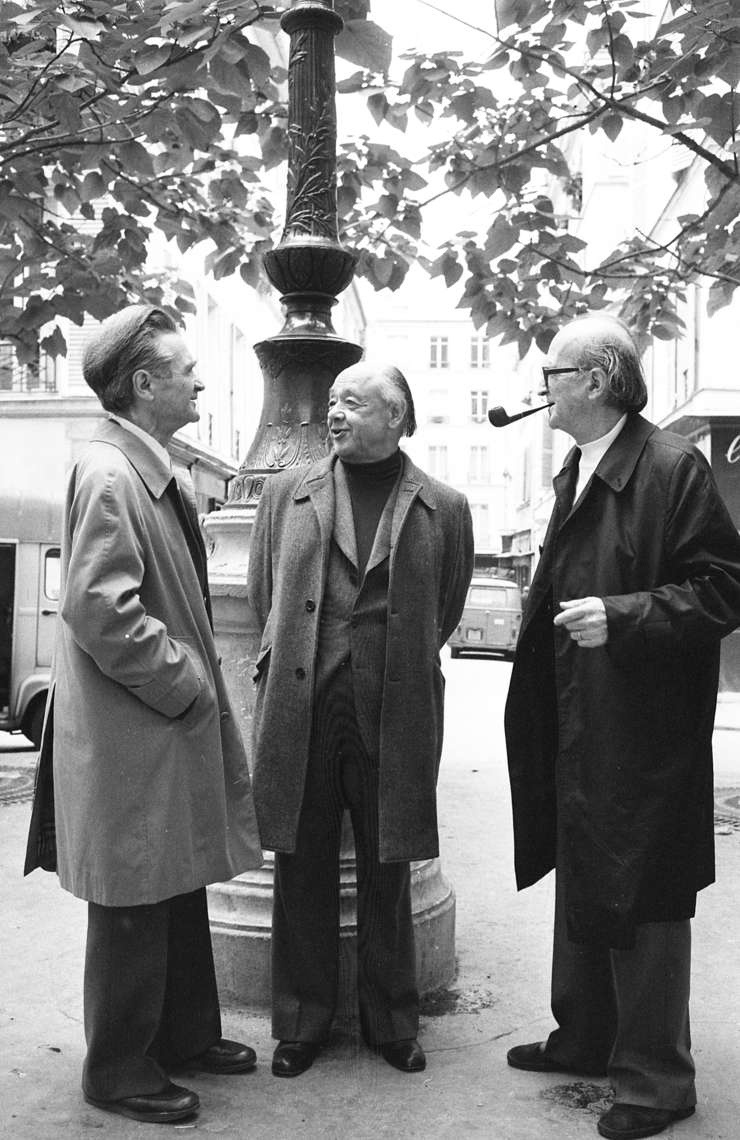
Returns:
point(499, 998)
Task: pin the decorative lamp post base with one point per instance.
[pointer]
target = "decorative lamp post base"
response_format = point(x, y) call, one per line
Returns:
point(241, 915)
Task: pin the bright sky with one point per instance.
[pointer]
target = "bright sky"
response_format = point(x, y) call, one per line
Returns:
point(414, 23)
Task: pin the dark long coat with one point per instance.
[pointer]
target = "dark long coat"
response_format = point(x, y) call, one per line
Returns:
point(610, 752)
point(431, 561)
point(150, 803)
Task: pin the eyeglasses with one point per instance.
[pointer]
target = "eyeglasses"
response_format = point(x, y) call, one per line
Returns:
point(548, 372)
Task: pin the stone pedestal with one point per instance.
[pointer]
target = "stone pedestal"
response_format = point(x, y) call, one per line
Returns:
point(241, 912)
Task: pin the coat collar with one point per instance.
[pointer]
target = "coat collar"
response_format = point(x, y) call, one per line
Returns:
point(413, 481)
point(616, 469)
point(619, 462)
point(152, 470)
point(318, 485)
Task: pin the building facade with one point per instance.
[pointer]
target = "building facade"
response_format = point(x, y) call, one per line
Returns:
point(456, 375)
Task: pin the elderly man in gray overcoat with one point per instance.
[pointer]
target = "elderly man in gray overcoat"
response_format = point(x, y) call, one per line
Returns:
point(358, 571)
point(151, 789)
point(609, 728)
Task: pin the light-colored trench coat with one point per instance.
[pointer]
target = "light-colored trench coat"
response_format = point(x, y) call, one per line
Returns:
point(431, 561)
point(149, 803)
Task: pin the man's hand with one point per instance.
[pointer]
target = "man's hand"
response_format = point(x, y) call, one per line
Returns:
point(585, 621)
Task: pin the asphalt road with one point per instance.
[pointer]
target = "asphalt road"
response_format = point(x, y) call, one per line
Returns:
point(500, 996)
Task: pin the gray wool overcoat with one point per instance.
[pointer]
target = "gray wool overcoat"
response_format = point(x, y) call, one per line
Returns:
point(149, 803)
point(430, 565)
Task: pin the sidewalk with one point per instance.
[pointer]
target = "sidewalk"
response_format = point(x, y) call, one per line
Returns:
point(500, 997)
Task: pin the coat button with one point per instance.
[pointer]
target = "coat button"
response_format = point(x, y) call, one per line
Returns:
point(310, 606)
point(225, 715)
point(300, 673)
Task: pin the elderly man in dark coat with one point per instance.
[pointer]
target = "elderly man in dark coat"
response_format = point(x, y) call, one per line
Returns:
point(609, 725)
point(150, 780)
point(358, 572)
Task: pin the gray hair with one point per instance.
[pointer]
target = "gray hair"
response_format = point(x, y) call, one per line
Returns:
point(610, 346)
point(124, 343)
point(396, 391)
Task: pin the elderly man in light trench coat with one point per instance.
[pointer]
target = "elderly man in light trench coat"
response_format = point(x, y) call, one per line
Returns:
point(151, 789)
point(358, 571)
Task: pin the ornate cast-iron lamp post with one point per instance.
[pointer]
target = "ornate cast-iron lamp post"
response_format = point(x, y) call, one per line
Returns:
point(309, 267)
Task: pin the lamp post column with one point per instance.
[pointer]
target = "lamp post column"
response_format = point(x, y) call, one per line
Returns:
point(310, 268)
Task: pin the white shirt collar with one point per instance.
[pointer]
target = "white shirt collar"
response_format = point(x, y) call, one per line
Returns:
point(161, 452)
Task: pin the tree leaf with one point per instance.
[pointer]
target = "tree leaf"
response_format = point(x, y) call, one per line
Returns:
point(365, 44)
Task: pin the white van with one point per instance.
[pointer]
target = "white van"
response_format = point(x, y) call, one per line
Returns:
point(30, 562)
point(491, 619)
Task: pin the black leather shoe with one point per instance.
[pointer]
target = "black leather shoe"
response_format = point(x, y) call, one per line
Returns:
point(225, 1057)
point(291, 1058)
point(534, 1059)
point(631, 1121)
point(173, 1103)
point(407, 1056)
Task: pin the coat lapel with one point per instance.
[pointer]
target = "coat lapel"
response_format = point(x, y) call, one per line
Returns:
point(382, 541)
point(564, 486)
point(412, 482)
point(344, 523)
point(318, 486)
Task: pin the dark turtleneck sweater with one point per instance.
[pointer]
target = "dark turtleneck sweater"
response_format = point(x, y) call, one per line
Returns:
point(370, 485)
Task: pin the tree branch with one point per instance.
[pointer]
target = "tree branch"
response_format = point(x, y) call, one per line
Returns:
point(27, 97)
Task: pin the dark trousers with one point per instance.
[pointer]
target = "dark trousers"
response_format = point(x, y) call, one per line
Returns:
point(150, 994)
point(306, 916)
point(626, 1012)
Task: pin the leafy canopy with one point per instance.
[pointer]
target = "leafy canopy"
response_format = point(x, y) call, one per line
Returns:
point(121, 119)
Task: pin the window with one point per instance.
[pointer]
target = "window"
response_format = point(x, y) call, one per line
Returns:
point(479, 352)
point(438, 352)
point(237, 368)
point(478, 406)
point(438, 406)
point(38, 375)
point(487, 597)
point(479, 511)
point(52, 574)
point(526, 459)
point(438, 461)
point(546, 453)
point(479, 470)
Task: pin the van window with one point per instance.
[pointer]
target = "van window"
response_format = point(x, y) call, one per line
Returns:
point(487, 596)
point(52, 575)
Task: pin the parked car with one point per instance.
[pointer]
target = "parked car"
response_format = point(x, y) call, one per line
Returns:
point(29, 599)
point(491, 618)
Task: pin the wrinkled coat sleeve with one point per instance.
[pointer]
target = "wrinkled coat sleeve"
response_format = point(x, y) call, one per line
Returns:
point(259, 571)
point(102, 604)
point(460, 574)
point(700, 602)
